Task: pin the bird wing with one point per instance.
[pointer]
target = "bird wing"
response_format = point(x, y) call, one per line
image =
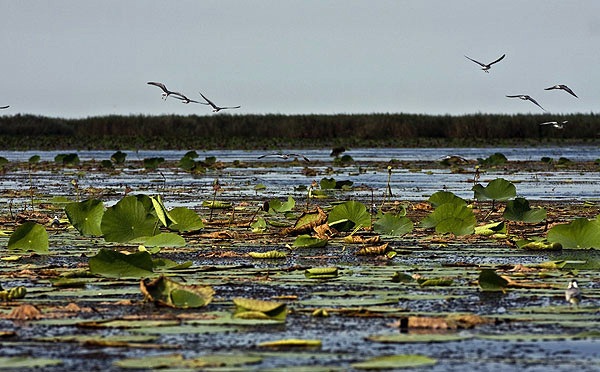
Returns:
point(4, 107)
point(566, 88)
point(479, 63)
point(208, 100)
point(498, 60)
point(230, 107)
point(517, 96)
point(534, 101)
point(160, 85)
point(552, 87)
point(549, 123)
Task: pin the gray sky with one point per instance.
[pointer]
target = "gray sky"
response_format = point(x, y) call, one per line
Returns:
point(88, 58)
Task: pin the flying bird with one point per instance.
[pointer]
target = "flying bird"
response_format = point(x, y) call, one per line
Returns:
point(285, 156)
point(525, 97)
point(186, 100)
point(215, 107)
point(556, 124)
point(486, 67)
point(573, 293)
point(563, 87)
point(4, 107)
point(167, 93)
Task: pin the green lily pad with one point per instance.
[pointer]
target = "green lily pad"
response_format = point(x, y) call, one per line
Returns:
point(519, 210)
point(161, 211)
point(579, 233)
point(248, 308)
point(291, 342)
point(451, 218)
point(268, 255)
point(118, 157)
point(401, 338)
point(113, 264)
point(30, 236)
point(307, 241)
point(348, 215)
point(177, 361)
point(187, 220)
point(163, 240)
point(127, 220)
point(321, 273)
point(392, 225)
point(216, 204)
point(490, 281)
point(395, 361)
point(276, 206)
point(86, 216)
point(491, 228)
point(498, 189)
point(23, 362)
point(443, 197)
point(170, 293)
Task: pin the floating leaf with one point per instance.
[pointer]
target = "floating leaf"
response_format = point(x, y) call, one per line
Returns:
point(187, 220)
point(276, 206)
point(348, 215)
point(170, 293)
point(395, 361)
point(86, 216)
point(161, 211)
point(30, 236)
point(27, 362)
point(321, 273)
point(451, 218)
point(538, 245)
point(118, 157)
point(258, 309)
point(259, 226)
point(291, 342)
point(268, 255)
point(113, 264)
point(152, 163)
point(392, 225)
point(443, 197)
point(216, 204)
point(491, 228)
point(436, 282)
point(307, 221)
point(127, 220)
point(579, 233)
point(163, 240)
point(373, 251)
point(490, 281)
point(494, 159)
point(401, 338)
point(498, 189)
point(519, 210)
point(307, 241)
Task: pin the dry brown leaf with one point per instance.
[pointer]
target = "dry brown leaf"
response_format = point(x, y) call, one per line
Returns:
point(222, 235)
point(307, 227)
point(324, 231)
point(357, 239)
point(25, 312)
point(373, 251)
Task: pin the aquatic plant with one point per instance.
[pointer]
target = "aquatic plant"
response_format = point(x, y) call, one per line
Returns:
point(29, 236)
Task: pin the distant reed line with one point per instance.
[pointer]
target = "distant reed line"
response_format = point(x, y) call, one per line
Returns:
point(270, 131)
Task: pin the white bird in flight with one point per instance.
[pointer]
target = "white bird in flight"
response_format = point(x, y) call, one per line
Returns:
point(285, 156)
point(215, 107)
point(4, 107)
point(525, 97)
point(556, 124)
point(486, 66)
point(563, 87)
point(167, 93)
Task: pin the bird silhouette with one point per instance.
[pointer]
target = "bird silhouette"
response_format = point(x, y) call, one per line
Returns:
point(563, 87)
point(486, 66)
point(215, 107)
point(525, 97)
point(285, 156)
point(4, 107)
point(556, 124)
point(167, 92)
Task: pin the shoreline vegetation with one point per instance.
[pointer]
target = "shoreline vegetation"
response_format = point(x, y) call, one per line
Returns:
point(273, 131)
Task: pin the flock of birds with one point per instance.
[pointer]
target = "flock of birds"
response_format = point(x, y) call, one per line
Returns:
point(525, 97)
point(184, 99)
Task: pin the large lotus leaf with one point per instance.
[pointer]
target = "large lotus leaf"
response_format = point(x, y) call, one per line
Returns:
point(127, 220)
point(519, 210)
point(291, 342)
point(173, 294)
point(276, 206)
point(579, 233)
point(392, 225)
point(494, 159)
point(152, 163)
point(443, 197)
point(18, 363)
point(177, 362)
point(498, 189)
point(187, 220)
point(162, 240)
point(394, 362)
point(161, 211)
point(30, 236)
point(113, 264)
point(490, 281)
point(349, 215)
point(451, 218)
point(118, 157)
point(86, 216)
point(250, 309)
point(491, 229)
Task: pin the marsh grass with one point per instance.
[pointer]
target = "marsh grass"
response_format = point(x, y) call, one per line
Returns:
point(294, 131)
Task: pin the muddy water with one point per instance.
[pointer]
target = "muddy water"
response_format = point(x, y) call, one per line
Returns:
point(415, 176)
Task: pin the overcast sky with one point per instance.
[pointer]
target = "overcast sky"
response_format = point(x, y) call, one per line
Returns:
point(88, 58)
